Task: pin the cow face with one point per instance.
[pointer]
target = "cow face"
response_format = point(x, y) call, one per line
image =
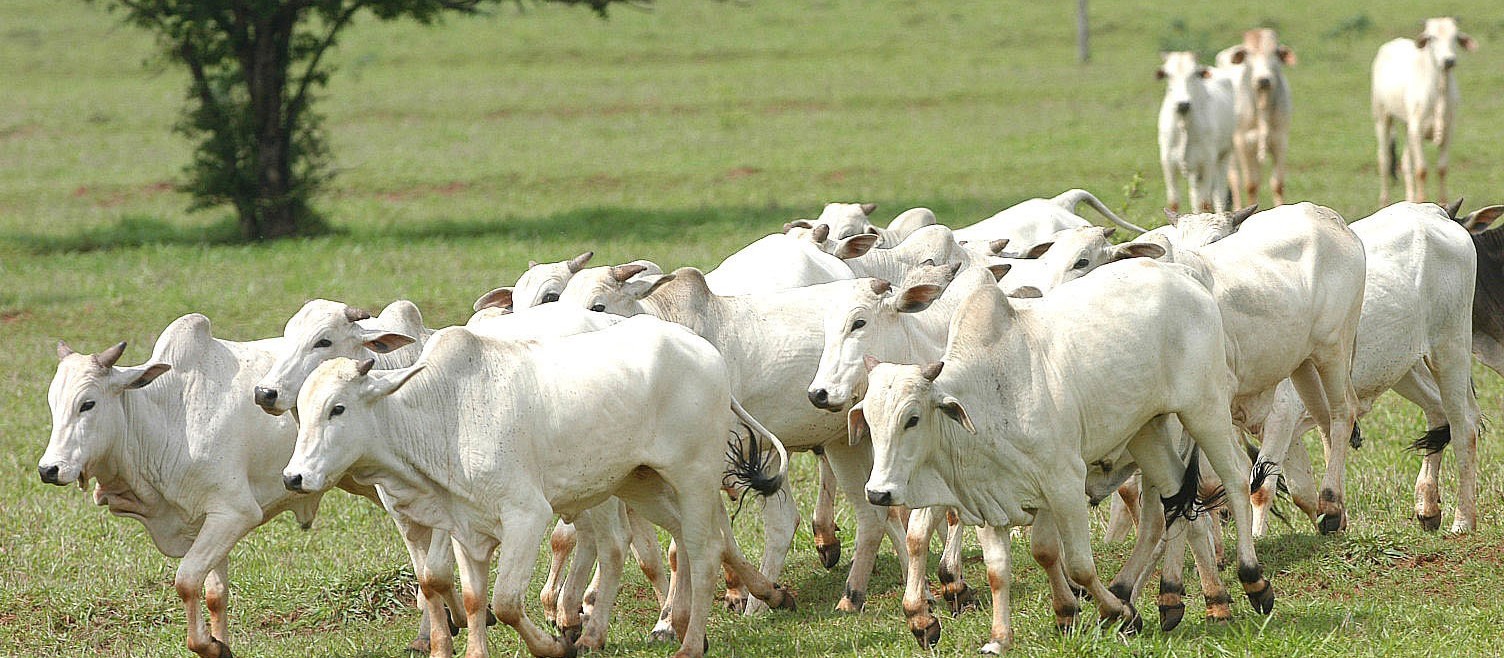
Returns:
point(320, 331)
point(1071, 254)
point(1262, 53)
point(88, 415)
point(1441, 40)
point(847, 219)
point(867, 322)
point(1180, 72)
point(337, 419)
point(904, 415)
point(1201, 229)
point(543, 283)
point(617, 290)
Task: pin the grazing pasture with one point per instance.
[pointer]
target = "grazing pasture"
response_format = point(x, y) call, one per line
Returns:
point(677, 134)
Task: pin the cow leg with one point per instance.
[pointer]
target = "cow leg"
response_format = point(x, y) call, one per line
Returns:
point(560, 544)
point(1282, 427)
point(1443, 161)
point(1124, 512)
point(852, 465)
point(953, 587)
point(1072, 524)
point(997, 551)
point(1279, 143)
point(1384, 129)
point(434, 566)
point(571, 604)
point(416, 541)
point(1200, 191)
point(1172, 194)
point(217, 599)
point(1211, 426)
point(663, 630)
point(1414, 161)
point(516, 548)
point(1239, 173)
point(1146, 546)
point(1300, 479)
point(611, 541)
point(209, 551)
point(1329, 373)
point(759, 586)
point(1153, 447)
point(827, 542)
point(649, 555)
point(1247, 155)
point(1419, 386)
point(780, 522)
point(917, 599)
point(1044, 545)
point(1452, 367)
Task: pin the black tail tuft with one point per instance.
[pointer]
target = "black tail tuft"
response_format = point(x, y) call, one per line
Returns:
point(1211, 500)
point(1433, 441)
point(1182, 504)
point(1356, 440)
point(1261, 472)
point(749, 466)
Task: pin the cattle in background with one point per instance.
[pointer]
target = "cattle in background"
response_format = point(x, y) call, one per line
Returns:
point(1413, 83)
point(844, 220)
point(1032, 221)
point(533, 440)
point(1262, 106)
point(1196, 122)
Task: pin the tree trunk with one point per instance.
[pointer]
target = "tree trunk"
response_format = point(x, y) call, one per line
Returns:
point(277, 211)
point(1083, 34)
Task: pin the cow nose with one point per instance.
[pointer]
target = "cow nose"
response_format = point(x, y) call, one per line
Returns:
point(1183, 107)
point(598, 308)
point(883, 498)
point(1449, 62)
point(265, 397)
point(48, 473)
point(819, 397)
point(1264, 83)
point(293, 482)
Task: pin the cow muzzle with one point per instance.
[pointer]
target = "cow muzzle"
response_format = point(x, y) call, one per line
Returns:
point(883, 498)
point(58, 473)
point(821, 399)
point(266, 398)
point(1263, 84)
point(293, 482)
point(49, 473)
point(1448, 63)
point(1183, 107)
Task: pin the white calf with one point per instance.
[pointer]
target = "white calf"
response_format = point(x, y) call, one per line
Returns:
point(1195, 131)
point(1263, 108)
point(1413, 84)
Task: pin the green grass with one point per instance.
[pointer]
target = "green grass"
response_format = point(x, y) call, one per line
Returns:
point(676, 134)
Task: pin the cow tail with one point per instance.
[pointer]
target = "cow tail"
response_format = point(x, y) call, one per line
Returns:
point(748, 468)
point(1069, 199)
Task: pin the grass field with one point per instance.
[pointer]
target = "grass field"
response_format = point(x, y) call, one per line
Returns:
point(676, 134)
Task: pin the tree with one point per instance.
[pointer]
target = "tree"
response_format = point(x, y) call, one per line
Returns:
point(254, 65)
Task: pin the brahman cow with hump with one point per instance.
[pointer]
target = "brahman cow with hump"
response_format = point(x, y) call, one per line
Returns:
point(1261, 100)
point(1030, 222)
point(488, 438)
point(177, 445)
point(1290, 285)
point(1030, 395)
point(1413, 83)
point(1195, 131)
point(771, 342)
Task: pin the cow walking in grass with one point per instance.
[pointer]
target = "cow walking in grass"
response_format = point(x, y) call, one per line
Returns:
point(1414, 84)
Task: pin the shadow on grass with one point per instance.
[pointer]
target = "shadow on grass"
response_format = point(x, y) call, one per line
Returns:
point(579, 224)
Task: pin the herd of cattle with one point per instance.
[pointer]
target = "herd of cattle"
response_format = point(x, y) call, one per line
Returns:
point(1004, 374)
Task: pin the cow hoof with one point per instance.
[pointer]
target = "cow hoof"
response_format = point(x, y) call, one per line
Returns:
point(665, 635)
point(736, 604)
point(1331, 523)
point(1133, 624)
point(784, 599)
point(927, 635)
point(420, 646)
point(994, 648)
point(1262, 600)
point(491, 617)
point(1170, 616)
point(853, 601)
point(830, 555)
point(1429, 523)
point(224, 650)
point(961, 601)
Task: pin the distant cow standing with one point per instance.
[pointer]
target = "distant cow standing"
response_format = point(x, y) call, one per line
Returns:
point(1261, 101)
point(1195, 131)
point(1413, 84)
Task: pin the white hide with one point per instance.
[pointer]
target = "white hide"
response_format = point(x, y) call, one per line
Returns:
point(1261, 99)
point(1033, 221)
point(1196, 122)
point(1413, 84)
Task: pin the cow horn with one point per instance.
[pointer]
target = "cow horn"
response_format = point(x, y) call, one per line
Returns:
point(869, 208)
point(578, 262)
point(931, 371)
point(1454, 208)
point(1171, 216)
point(108, 357)
point(880, 286)
point(1238, 216)
point(364, 367)
point(870, 361)
point(352, 314)
point(63, 351)
point(822, 232)
point(996, 246)
point(621, 273)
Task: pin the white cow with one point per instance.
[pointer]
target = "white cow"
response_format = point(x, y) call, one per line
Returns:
point(1032, 394)
point(1413, 83)
point(1032, 221)
point(488, 438)
point(844, 220)
point(177, 444)
point(771, 342)
point(1290, 284)
point(1196, 123)
point(541, 283)
point(1415, 336)
point(1263, 108)
point(775, 262)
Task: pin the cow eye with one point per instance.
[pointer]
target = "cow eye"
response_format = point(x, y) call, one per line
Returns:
point(550, 297)
point(87, 405)
point(858, 324)
point(911, 423)
point(337, 410)
point(599, 308)
point(1081, 264)
point(323, 342)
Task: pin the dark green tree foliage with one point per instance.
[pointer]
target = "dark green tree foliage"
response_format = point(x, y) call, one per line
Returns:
point(255, 65)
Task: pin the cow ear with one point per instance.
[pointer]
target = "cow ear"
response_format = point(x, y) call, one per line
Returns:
point(1137, 250)
point(386, 383)
point(999, 271)
point(856, 425)
point(1422, 40)
point(641, 286)
point(498, 298)
point(855, 245)
point(952, 408)
point(381, 342)
point(1479, 220)
point(1038, 250)
point(1286, 55)
point(1205, 73)
point(139, 376)
point(917, 298)
point(1239, 55)
point(1467, 41)
point(63, 351)
point(1159, 74)
point(869, 208)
